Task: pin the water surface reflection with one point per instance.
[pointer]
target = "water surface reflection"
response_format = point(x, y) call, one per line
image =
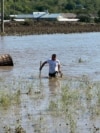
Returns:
point(28, 51)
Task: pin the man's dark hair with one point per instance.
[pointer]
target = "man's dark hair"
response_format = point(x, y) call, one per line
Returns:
point(54, 55)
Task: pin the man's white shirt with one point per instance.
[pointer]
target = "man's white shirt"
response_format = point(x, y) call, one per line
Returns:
point(53, 65)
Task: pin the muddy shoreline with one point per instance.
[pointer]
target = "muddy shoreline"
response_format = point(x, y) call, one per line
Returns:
point(48, 27)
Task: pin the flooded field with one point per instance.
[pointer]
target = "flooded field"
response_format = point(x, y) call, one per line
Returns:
point(71, 104)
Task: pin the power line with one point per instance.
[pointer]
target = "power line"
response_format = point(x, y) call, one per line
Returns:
point(2, 16)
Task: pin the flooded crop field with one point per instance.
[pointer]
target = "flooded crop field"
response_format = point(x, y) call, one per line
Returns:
point(33, 104)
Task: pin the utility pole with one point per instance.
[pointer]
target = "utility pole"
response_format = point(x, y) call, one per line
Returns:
point(2, 16)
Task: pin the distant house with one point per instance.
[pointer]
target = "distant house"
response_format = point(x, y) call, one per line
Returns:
point(21, 17)
point(70, 17)
point(45, 16)
point(52, 16)
point(35, 16)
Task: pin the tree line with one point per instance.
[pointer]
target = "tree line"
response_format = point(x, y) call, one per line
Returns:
point(53, 6)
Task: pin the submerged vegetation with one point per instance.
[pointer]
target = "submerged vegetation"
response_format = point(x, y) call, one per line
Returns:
point(75, 101)
point(7, 99)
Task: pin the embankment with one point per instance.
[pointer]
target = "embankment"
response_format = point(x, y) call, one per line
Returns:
point(48, 27)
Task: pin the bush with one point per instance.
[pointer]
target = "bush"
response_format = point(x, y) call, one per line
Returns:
point(97, 20)
point(84, 18)
point(99, 13)
point(28, 22)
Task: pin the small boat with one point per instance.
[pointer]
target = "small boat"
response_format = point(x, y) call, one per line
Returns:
point(6, 60)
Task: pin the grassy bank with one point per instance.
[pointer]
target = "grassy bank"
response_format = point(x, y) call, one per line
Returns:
point(48, 27)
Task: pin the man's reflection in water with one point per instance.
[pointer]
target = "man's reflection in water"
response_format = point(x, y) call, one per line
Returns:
point(54, 85)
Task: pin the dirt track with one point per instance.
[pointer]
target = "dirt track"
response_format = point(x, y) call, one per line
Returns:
point(45, 27)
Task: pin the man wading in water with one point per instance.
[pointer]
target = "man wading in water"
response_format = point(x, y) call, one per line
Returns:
point(54, 66)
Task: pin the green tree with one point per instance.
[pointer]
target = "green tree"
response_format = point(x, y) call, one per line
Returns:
point(29, 6)
point(99, 13)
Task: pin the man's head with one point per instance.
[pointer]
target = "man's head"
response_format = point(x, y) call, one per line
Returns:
point(53, 56)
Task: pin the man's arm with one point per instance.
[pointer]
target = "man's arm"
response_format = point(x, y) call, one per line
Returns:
point(42, 65)
point(59, 70)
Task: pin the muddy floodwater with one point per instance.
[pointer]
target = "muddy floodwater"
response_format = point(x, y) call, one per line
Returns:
point(33, 104)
